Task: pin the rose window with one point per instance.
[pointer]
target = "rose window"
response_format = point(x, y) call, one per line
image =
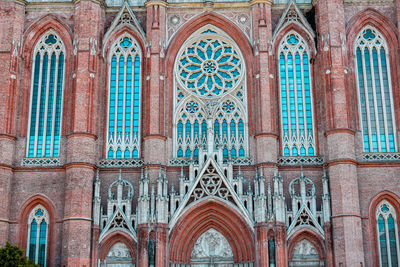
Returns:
point(210, 96)
point(210, 67)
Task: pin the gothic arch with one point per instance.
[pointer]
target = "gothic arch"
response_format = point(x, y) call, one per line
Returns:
point(394, 200)
point(301, 31)
point(110, 240)
point(203, 216)
point(178, 40)
point(118, 31)
point(373, 18)
point(31, 36)
point(23, 216)
point(312, 237)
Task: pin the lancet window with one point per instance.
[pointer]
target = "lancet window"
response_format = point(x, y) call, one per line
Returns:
point(38, 225)
point(210, 96)
point(46, 98)
point(296, 101)
point(388, 235)
point(123, 121)
point(374, 88)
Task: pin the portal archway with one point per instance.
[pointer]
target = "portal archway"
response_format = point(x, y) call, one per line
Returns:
point(199, 219)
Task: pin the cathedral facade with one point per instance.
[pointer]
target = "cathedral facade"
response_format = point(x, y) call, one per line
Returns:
point(201, 133)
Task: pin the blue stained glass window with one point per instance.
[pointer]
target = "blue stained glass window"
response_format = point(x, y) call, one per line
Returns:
point(44, 127)
point(297, 126)
point(374, 92)
point(123, 123)
point(387, 235)
point(37, 236)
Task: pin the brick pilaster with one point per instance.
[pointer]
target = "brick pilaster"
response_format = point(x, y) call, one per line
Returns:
point(142, 234)
point(346, 219)
point(261, 230)
point(155, 140)
point(12, 16)
point(265, 101)
point(81, 142)
point(281, 245)
point(161, 245)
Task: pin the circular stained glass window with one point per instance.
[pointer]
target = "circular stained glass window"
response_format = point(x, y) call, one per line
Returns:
point(209, 66)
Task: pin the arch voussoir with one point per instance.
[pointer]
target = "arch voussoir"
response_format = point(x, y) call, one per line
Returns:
point(204, 216)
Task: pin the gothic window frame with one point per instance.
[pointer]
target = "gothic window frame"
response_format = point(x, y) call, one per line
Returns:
point(134, 144)
point(39, 219)
point(388, 118)
point(42, 48)
point(209, 102)
point(310, 141)
point(385, 213)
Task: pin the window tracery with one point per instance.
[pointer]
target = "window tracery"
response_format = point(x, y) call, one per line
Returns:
point(46, 99)
point(38, 225)
point(374, 88)
point(123, 121)
point(296, 106)
point(388, 235)
point(210, 95)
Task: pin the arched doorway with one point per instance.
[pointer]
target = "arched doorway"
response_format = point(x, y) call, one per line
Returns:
point(305, 255)
point(211, 249)
point(118, 256)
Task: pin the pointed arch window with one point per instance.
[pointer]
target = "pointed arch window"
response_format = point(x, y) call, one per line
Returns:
point(388, 235)
point(210, 96)
point(124, 94)
point(38, 228)
point(374, 86)
point(46, 99)
point(296, 101)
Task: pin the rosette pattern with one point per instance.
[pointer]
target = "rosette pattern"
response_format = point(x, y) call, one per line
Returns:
point(210, 67)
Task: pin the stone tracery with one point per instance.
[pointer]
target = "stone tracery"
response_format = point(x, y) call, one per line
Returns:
point(210, 85)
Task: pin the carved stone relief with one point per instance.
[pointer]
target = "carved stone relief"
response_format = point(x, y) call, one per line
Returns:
point(211, 247)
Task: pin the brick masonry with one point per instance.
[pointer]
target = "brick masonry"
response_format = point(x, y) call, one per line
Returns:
point(66, 191)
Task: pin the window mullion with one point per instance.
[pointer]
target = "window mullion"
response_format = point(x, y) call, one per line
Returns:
point(53, 119)
point(45, 247)
point(303, 92)
point(296, 101)
point(39, 92)
point(125, 57)
point(28, 240)
point(388, 242)
point(288, 103)
point(391, 100)
point(371, 59)
point(37, 242)
point(383, 101)
point(366, 98)
point(116, 105)
point(46, 104)
point(132, 127)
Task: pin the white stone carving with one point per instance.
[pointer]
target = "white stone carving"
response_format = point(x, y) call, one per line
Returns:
point(119, 204)
point(119, 250)
point(304, 248)
point(212, 244)
point(293, 14)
